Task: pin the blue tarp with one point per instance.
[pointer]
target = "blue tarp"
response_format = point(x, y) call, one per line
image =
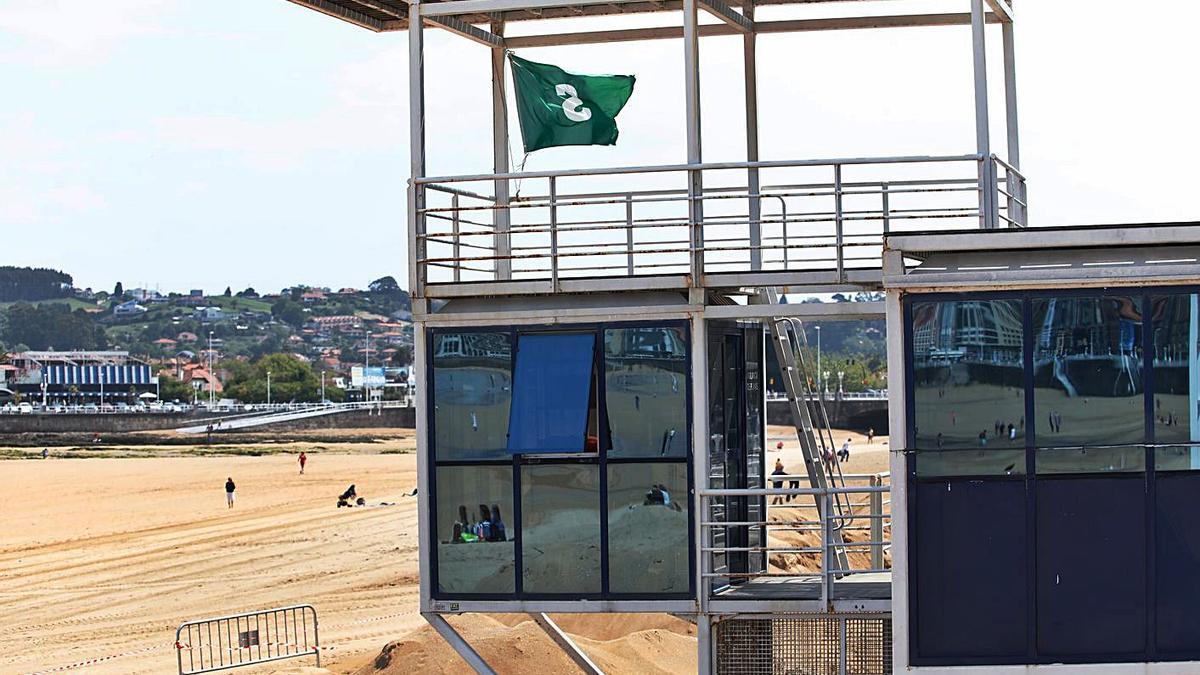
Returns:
point(551, 389)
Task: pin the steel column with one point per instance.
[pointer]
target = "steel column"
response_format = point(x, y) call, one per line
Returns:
point(501, 218)
point(416, 149)
point(425, 542)
point(704, 645)
point(568, 645)
point(691, 78)
point(460, 645)
point(987, 171)
point(1015, 188)
point(893, 265)
point(700, 443)
point(750, 80)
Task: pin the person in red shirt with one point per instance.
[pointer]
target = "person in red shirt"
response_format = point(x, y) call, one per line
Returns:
point(303, 461)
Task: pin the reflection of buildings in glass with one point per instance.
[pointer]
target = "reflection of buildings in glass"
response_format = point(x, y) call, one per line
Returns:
point(1172, 322)
point(471, 346)
point(1088, 346)
point(646, 390)
point(968, 340)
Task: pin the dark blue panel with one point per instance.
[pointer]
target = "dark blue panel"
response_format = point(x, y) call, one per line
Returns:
point(551, 389)
point(970, 599)
point(1177, 545)
point(1091, 567)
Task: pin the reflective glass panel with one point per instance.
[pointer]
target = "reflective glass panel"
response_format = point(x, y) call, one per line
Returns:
point(472, 390)
point(560, 528)
point(1091, 459)
point(1088, 385)
point(553, 389)
point(1177, 458)
point(971, 462)
point(648, 528)
point(475, 547)
point(1176, 368)
point(968, 384)
point(645, 370)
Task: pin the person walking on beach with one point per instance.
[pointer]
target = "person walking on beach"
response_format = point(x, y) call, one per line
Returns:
point(229, 489)
point(870, 436)
point(778, 483)
point(844, 453)
point(303, 461)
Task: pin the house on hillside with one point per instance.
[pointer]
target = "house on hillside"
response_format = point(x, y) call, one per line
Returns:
point(128, 308)
point(209, 314)
point(166, 343)
point(187, 336)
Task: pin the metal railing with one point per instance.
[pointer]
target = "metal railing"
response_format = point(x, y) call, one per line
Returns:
point(222, 643)
point(632, 221)
point(865, 530)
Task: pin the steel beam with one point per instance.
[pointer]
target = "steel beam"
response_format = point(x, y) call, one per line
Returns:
point(338, 12)
point(727, 14)
point(1002, 9)
point(460, 645)
point(710, 30)
point(809, 311)
point(459, 7)
point(473, 33)
point(396, 9)
point(568, 645)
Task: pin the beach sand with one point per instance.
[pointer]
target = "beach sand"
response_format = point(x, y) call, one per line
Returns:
point(107, 556)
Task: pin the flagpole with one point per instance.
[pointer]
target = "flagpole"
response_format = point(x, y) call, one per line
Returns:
point(750, 77)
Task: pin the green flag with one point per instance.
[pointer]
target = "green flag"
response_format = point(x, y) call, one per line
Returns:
point(559, 108)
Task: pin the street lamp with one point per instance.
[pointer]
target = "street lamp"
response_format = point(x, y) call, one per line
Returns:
point(268, 389)
point(211, 375)
point(322, 387)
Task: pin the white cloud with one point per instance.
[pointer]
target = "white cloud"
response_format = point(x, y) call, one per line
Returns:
point(75, 32)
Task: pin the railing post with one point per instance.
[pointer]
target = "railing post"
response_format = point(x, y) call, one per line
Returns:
point(553, 234)
point(876, 525)
point(454, 224)
point(629, 234)
point(837, 206)
point(826, 516)
point(887, 210)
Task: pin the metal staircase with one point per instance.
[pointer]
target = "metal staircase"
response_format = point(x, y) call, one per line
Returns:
point(816, 438)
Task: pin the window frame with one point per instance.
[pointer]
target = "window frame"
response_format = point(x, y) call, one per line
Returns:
point(600, 458)
point(1147, 295)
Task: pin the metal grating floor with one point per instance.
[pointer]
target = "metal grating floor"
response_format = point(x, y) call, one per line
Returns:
point(804, 646)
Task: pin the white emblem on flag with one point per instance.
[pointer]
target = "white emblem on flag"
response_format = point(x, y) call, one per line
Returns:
point(572, 105)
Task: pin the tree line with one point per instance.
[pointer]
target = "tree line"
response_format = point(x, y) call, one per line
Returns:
point(32, 284)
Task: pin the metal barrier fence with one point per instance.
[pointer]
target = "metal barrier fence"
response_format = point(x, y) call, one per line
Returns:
point(864, 527)
point(811, 215)
point(221, 643)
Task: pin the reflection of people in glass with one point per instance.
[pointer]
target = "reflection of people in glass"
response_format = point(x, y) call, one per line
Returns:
point(658, 495)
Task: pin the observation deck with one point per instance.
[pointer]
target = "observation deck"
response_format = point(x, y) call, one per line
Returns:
point(810, 223)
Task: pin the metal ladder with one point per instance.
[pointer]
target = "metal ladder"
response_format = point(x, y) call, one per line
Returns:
point(816, 439)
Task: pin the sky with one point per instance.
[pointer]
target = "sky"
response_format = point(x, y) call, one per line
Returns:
point(180, 144)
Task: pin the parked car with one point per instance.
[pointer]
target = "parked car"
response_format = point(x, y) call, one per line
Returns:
point(25, 408)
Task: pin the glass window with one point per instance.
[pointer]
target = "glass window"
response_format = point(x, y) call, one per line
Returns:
point(1176, 368)
point(1091, 459)
point(560, 528)
point(1088, 386)
point(645, 373)
point(472, 389)
point(968, 387)
point(648, 528)
point(475, 550)
point(553, 393)
point(1177, 458)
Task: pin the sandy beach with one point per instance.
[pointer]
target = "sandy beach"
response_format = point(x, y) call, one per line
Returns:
point(102, 558)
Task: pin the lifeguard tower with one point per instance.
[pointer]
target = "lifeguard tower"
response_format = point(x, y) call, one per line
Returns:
point(590, 348)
